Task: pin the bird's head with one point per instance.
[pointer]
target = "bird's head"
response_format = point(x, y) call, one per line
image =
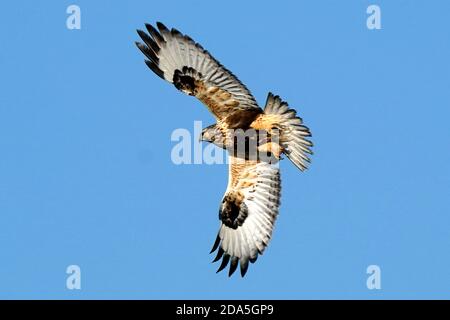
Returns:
point(213, 135)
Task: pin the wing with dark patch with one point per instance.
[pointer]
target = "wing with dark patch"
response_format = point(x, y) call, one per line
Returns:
point(248, 212)
point(193, 70)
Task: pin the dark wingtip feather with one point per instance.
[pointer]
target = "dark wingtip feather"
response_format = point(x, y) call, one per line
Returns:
point(139, 45)
point(244, 267)
point(219, 255)
point(233, 266)
point(148, 52)
point(175, 32)
point(216, 244)
point(226, 259)
point(155, 68)
point(189, 39)
point(141, 33)
point(154, 33)
point(162, 27)
point(148, 41)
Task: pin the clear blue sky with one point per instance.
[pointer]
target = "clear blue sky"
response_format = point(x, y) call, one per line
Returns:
point(86, 176)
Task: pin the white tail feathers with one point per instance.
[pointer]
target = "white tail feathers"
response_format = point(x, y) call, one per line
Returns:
point(292, 131)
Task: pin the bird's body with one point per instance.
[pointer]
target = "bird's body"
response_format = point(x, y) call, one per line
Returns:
point(255, 139)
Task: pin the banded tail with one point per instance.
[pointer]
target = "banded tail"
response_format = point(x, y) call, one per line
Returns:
point(293, 134)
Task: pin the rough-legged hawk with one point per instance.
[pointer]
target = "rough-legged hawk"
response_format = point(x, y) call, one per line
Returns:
point(250, 205)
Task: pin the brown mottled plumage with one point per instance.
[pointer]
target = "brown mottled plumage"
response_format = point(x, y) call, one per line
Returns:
point(251, 202)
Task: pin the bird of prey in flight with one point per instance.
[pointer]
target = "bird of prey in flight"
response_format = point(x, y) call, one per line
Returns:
point(251, 202)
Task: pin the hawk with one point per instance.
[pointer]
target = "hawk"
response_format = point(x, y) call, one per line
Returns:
point(251, 201)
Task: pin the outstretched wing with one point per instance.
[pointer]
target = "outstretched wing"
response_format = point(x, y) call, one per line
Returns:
point(178, 59)
point(248, 212)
